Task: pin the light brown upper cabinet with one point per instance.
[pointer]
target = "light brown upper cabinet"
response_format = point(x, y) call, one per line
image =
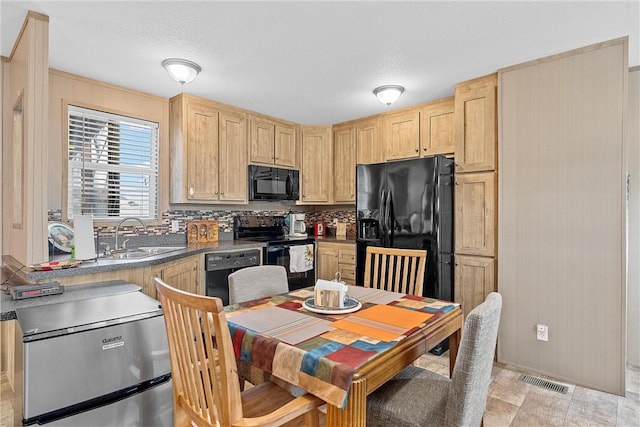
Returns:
point(233, 157)
point(344, 164)
point(424, 130)
point(367, 141)
point(402, 131)
point(272, 142)
point(208, 152)
point(437, 130)
point(476, 124)
point(317, 165)
point(475, 214)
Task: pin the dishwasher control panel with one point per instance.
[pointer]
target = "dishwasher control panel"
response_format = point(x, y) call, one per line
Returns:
point(237, 259)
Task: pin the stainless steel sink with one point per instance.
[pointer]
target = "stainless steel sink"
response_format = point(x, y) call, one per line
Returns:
point(141, 252)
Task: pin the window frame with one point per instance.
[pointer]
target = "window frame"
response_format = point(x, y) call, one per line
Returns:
point(68, 108)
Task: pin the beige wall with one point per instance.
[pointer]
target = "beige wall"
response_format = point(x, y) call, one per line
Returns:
point(25, 235)
point(633, 156)
point(67, 89)
point(562, 234)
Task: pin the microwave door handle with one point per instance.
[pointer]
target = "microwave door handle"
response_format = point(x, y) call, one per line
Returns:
point(289, 187)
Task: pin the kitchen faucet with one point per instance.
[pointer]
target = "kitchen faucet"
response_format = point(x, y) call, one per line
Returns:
point(132, 218)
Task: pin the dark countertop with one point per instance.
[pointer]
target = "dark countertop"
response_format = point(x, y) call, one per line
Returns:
point(336, 239)
point(107, 265)
point(8, 306)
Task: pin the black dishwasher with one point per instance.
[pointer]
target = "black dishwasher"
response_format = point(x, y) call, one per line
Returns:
point(219, 265)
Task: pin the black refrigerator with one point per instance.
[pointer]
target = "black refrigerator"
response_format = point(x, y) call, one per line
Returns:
point(409, 204)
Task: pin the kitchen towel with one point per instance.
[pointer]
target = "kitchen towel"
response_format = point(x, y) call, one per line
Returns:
point(85, 247)
point(300, 258)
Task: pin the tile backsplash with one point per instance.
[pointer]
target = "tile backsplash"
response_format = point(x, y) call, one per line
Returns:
point(224, 217)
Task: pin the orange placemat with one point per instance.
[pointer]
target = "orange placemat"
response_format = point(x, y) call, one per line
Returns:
point(383, 322)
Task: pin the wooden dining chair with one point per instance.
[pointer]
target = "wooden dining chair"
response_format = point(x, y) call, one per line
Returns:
point(256, 282)
point(418, 397)
point(397, 270)
point(206, 390)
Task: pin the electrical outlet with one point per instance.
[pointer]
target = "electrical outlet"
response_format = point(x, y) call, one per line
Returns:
point(175, 226)
point(542, 332)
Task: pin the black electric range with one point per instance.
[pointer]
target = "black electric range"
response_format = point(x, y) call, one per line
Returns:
point(273, 231)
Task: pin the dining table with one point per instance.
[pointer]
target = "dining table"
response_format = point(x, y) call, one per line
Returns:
point(341, 354)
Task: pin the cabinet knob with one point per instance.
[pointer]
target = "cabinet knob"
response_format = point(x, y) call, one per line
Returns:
point(215, 192)
point(191, 191)
point(424, 149)
point(222, 193)
point(417, 150)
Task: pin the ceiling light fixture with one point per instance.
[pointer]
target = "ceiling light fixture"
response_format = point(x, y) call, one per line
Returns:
point(181, 70)
point(388, 94)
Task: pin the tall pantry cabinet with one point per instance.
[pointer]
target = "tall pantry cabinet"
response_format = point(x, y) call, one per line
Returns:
point(475, 193)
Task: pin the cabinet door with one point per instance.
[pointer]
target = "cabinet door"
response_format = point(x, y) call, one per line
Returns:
point(476, 123)
point(285, 146)
point(261, 148)
point(327, 261)
point(183, 274)
point(437, 130)
point(202, 153)
point(403, 135)
point(367, 147)
point(475, 279)
point(475, 214)
point(317, 171)
point(344, 165)
point(233, 157)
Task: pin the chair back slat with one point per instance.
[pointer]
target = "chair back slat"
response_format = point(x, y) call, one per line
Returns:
point(397, 270)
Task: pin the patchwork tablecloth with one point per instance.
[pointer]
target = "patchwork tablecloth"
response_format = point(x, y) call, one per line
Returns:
point(320, 353)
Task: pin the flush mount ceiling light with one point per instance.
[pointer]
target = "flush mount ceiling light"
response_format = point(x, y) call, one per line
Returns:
point(388, 94)
point(181, 70)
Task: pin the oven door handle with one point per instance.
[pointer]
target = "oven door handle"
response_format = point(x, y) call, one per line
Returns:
point(276, 248)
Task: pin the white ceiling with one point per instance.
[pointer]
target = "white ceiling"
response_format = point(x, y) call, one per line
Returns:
point(314, 62)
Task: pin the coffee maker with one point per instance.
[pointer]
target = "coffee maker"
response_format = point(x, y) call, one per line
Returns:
point(297, 227)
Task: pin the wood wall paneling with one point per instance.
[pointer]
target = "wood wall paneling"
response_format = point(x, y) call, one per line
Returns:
point(29, 86)
point(562, 210)
point(68, 89)
point(633, 144)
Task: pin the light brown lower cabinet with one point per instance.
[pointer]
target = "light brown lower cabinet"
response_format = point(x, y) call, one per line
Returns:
point(332, 257)
point(475, 279)
point(183, 274)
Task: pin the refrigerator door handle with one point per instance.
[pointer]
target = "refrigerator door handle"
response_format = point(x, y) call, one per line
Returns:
point(383, 218)
point(390, 219)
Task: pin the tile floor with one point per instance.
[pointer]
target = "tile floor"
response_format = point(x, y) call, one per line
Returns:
point(514, 403)
point(511, 402)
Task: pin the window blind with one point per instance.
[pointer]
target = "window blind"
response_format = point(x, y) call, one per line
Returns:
point(112, 165)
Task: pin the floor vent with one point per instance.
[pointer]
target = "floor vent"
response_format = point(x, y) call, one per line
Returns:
point(549, 385)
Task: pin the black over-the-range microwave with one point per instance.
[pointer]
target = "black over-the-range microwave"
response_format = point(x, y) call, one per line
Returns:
point(269, 183)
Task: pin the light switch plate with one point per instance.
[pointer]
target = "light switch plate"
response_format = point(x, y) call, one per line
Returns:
point(175, 226)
